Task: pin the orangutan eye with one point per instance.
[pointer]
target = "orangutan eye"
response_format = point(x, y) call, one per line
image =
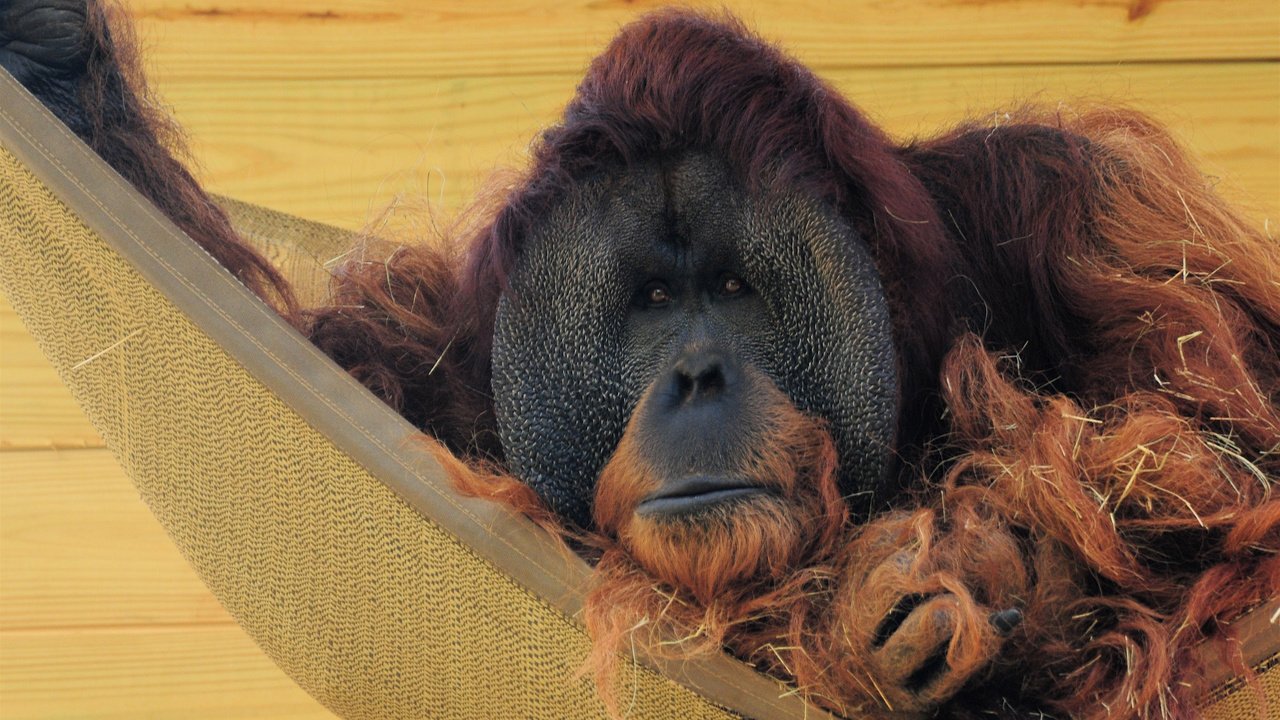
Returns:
point(656, 294)
point(732, 285)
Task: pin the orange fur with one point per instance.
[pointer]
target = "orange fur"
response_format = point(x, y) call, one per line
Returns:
point(760, 542)
point(1124, 504)
point(1126, 520)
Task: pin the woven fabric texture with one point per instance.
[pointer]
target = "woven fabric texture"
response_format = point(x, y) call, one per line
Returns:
point(371, 608)
point(1239, 699)
point(304, 250)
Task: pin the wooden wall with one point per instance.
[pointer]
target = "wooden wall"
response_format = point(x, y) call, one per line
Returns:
point(330, 108)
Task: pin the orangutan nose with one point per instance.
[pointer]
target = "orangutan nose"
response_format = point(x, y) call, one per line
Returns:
point(699, 375)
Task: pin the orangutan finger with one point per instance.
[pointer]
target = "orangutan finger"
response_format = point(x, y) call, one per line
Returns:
point(913, 659)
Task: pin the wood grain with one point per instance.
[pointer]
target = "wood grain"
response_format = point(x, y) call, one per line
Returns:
point(463, 38)
point(100, 617)
point(194, 673)
point(339, 150)
point(36, 409)
point(79, 549)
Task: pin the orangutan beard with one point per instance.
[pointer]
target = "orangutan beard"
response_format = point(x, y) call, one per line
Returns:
point(751, 542)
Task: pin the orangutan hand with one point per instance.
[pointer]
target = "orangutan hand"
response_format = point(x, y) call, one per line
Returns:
point(924, 610)
point(46, 45)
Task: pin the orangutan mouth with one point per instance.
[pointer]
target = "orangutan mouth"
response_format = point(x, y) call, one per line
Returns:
point(695, 494)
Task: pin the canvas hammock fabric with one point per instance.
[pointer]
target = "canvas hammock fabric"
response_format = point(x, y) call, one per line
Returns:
point(302, 501)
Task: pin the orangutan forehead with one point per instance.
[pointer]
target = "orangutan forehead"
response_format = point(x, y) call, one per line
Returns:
point(676, 203)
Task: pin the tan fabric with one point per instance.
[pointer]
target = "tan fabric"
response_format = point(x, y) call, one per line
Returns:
point(1238, 699)
point(305, 251)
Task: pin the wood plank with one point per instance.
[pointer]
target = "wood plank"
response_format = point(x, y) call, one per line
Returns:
point(337, 150)
point(196, 673)
point(459, 38)
point(100, 617)
point(79, 549)
point(1226, 114)
point(36, 409)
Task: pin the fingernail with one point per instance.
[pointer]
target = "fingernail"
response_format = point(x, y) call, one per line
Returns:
point(1006, 620)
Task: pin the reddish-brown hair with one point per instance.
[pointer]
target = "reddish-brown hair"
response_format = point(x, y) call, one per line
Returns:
point(1101, 329)
point(124, 123)
point(1127, 449)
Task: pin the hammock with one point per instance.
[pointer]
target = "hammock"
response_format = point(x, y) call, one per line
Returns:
point(302, 501)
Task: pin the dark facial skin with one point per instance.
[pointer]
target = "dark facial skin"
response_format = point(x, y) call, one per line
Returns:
point(41, 45)
point(700, 415)
point(668, 275)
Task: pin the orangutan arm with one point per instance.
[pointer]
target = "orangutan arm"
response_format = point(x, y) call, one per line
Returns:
point(81, 64)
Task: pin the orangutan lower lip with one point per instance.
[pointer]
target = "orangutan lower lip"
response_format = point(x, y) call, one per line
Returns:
point(696, 493)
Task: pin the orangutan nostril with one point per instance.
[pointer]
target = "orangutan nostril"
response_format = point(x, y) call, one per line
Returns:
point(684, 386)
point(699, 376)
